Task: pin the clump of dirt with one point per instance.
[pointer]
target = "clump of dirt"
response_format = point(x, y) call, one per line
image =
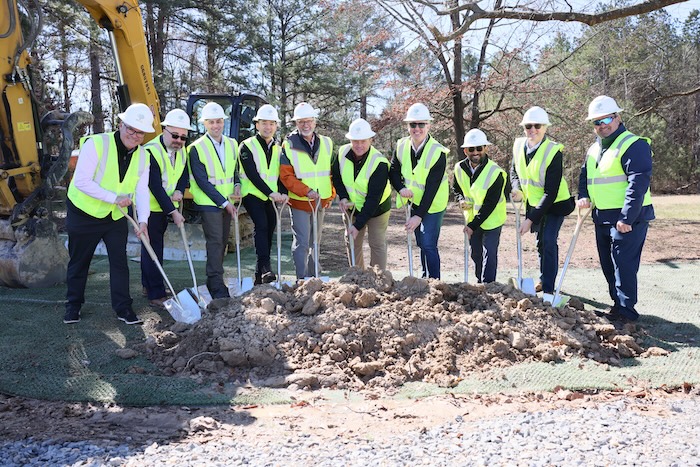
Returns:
point(366, 330)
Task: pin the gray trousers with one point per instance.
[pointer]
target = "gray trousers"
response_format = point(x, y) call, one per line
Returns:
point(303, 243)
point(376, 238)
point(216, 226)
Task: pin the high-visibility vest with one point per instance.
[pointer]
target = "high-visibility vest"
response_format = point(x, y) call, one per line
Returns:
point(532, 175)
point(107, 176)
point(606, 180)
point(475, 193)
point(268, 173)
point(357, 187)
point(415, 179)
point(216, 175)
point(317, 176)
point(169, 173)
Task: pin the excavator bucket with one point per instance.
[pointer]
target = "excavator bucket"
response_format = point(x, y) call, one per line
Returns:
point(32, 261)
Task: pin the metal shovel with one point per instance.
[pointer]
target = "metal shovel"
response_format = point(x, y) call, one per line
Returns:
point(315, 204)
point(278, 214)
point(182, 306)
point(244, 284)
point(347, 220)
point(467, 250)
point(194, 291)
point(559, 300)
point(527, 285)
point(407, 208)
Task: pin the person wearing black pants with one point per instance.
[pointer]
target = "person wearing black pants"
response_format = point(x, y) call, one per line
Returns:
point(260, 187)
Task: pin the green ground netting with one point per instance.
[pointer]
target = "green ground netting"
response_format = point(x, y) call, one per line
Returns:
point(41, 357)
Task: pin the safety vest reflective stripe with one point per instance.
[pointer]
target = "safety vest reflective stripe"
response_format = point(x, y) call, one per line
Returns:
point(269, 175)
point(219, 175)
point(532, 175)
point(415, 178)
point(209, 162)
point(476, 193)
point(606, 178)
point(490, 178)
point(315, 175)
point(107, 176)
point(169, 173)
point(357, 187)
point(543, 167)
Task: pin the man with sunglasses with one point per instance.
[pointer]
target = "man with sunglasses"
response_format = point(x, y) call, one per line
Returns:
point(479, 188)
point(112, 168)
point(615, 178)
point(167, 182)
point(418, 174)
point(537, 177)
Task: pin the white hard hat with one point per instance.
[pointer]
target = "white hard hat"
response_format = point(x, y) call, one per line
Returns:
point(536, 115)
point(602, 105)
point(177, 118)
point(267, 112)
point(359, 129)
point(475, 138)
point(418, 113)
point(138, 116)
point(304, 110)
point(211, 111)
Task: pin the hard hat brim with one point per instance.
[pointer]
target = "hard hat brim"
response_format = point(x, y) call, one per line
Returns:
point(598, 115)
point(139, 126)
point(256, 119)
point(369, 135)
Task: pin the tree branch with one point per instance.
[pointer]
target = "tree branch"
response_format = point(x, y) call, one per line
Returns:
point(666, 97)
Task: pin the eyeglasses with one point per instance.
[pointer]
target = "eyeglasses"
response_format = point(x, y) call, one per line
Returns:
point(475, 148)
point(530, 125)
point(417, 124)
point(133, 131)
point(604, 121)
point(176, 136)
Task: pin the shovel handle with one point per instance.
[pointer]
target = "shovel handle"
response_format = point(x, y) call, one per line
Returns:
point(152, 254)
point(407, 208)
point(347, 220)
point(518, 239)
point(579, 223)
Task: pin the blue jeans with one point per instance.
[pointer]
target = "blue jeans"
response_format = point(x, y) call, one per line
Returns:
point(427, 235)
point(620, 255)
point(484, 245)
point(548, 250)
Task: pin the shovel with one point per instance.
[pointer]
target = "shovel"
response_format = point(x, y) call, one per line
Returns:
point(467, 250)
point(243, 284)
point(527, 285)
point(347, 218)
point(407, 208)
point(559, 300)
point(278, 214)
point(194, 291)
point(182, 306)
point(314, 212)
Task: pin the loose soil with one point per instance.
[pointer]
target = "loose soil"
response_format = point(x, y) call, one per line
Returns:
point(369, 333)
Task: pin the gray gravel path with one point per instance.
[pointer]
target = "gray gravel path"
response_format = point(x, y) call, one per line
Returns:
point(623, 432)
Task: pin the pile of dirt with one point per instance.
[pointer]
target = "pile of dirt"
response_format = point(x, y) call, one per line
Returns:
point(366, 330)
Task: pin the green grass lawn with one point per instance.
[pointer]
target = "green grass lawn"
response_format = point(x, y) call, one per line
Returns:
point(686, 207)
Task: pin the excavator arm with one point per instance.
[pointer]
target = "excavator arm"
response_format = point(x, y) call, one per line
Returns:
point(31, 254)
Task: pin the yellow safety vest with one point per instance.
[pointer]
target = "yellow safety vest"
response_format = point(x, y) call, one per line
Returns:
point(317, 176)
point(221, 179)
point(269, 174)
point(532, 175)
point(607, 182)
point(107, 176)
point(476, 193)
point(357, 187)
point(169, 173)
point(415, 179)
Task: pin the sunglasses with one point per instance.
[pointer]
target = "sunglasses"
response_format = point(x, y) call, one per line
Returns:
point(475, 148)
point(604, 121)
point(417, 124)
point(176, 136)
point(530, 125)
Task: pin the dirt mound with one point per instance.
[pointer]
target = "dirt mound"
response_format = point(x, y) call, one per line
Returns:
point(366, 330)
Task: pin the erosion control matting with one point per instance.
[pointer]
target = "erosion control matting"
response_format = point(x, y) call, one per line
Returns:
point(41, 357)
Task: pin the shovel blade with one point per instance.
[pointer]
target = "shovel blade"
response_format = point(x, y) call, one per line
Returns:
point(323, 278)
point(557, 301)
point(527, 285)
point(244, 286)
point(186, 311)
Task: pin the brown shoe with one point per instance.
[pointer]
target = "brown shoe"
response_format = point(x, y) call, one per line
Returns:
point(158, 302)
point(538, 287)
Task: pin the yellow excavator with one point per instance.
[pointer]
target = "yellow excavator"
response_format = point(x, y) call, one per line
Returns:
point(31, 252)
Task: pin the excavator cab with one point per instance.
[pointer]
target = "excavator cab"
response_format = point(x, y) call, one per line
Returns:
point(240, 108)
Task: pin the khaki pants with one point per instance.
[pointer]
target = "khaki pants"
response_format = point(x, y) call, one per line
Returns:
point(376, 237)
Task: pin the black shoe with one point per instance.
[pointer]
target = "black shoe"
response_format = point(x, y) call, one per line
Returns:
point(71, 316)
point(268, 277)
point(129, 317)
point(257, 280)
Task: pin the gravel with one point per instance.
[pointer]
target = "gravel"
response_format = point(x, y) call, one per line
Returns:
point(623, 432)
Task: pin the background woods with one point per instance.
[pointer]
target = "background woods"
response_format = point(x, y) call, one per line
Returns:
point(475, 65)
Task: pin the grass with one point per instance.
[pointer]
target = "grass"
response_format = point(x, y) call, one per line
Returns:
point(684, 207)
